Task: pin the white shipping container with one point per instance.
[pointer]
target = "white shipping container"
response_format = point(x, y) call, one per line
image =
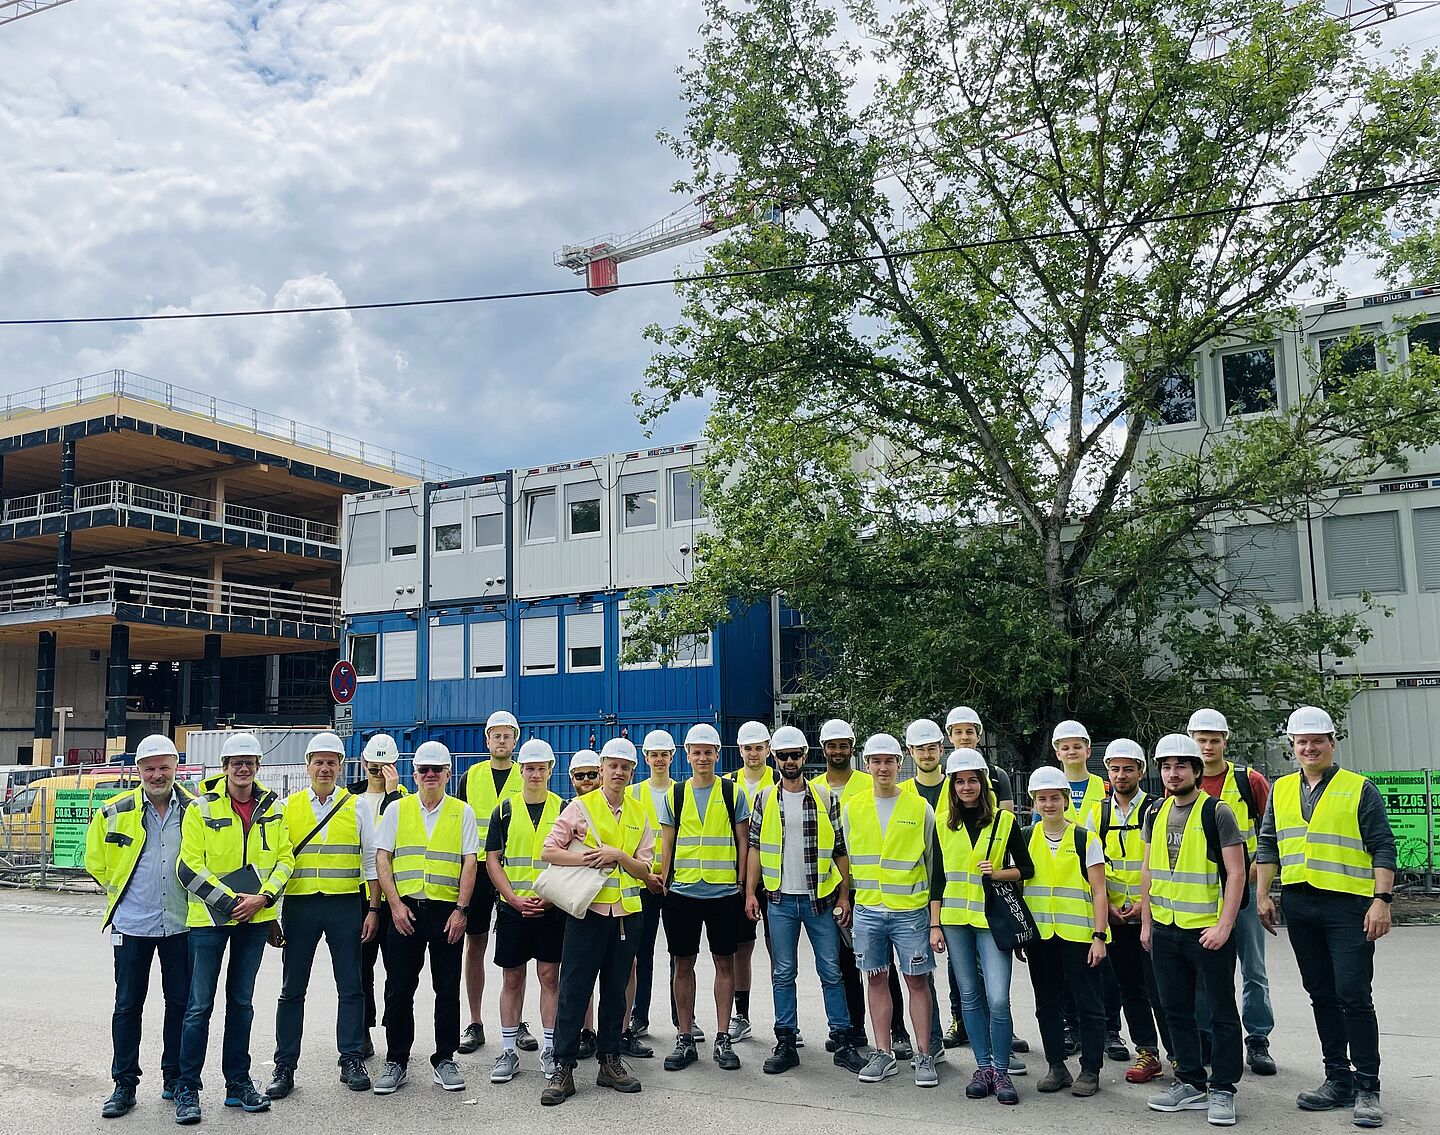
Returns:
point(279, 746)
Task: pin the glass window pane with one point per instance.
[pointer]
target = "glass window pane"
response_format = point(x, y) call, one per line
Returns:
point(540, 516)
point(447, 538)
point(1342, 356)
point(490, 531)
point(1250, 383)
point(686, 505)
point(1174, 398)
point(585, 518)
point(586, 658)
point(638, 494)
point(1425, 335)
point(362, 655)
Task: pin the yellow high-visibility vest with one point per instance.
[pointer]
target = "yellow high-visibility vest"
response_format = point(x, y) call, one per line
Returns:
point(646, 799)
point(705, 850)
point(1089, 811)
point(1188, 895)
point(963, 901)
point(115, 839)
point(624, 832)
point(888, 870)
point(767, 780)
point(1328, 852)
point(429, 865)
point(1230, 794)
point(214, 842)
point(524, 840)
point(858, 784)
point(480, 793)
point(1124, 851)
point(1059, 894)
point(331, 863)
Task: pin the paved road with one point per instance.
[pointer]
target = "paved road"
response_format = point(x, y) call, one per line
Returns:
point(56, 992)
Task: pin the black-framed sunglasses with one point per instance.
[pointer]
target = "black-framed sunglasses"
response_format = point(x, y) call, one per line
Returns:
point(431, 770)
point(586, 774)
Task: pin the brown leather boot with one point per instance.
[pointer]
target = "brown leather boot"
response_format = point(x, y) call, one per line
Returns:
point(560, 1088)
point(614, 1074)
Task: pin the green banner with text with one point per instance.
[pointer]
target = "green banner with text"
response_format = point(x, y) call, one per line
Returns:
point(73, 809)
point(1404, 794)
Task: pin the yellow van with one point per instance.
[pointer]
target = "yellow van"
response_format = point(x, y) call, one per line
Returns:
point(27, 819)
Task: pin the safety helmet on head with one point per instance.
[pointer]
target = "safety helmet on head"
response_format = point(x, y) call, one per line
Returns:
point(241, 745)
point(658, 740)
point(1047, 777)
point(585, 758)
point(752, 733)
point(324, 742)
point(1068, 729)
point(380, 750)
point(1178, 745)
point(156, 745)
point(923, 732)
point(881, 745)
point(501, 717)
point(702, 734)
point(1208, 721)
point(1122, 748)
point(966, 760)
point(787, 739)
point(431, 754)
point(621, 747)
point(535, 752)
point(1310, 719)
point(964, 715)
point(836, 730)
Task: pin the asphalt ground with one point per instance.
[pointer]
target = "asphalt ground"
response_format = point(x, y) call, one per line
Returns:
point(56, 992)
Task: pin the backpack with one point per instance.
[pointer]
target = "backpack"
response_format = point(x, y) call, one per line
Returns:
point(1211, 827)
point(727, 792)
point(1148, 805)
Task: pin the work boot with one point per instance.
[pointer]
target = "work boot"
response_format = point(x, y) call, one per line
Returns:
point(353, 1074)
point(586, 1048)
point(850, 1058)
point(1328, 1096)
point(684, 1054)
point(244, 1096)
point(784, 1057)
point(187, 1107)
point(282, 1083)
point(724, 1054)
point(1368, 1112)
point(1146, 1067)
point(632, 1045)
point(121, 1101)
point(901, 1047)
point(473, 1038)
point(1057, 1079)
point(1086, 1084)
point(1004, 1087)
point(614, 1074)
point(525, 1040)
point(955, 1037)
point(1257, 1055)
point(981, 1084)
point(560, 1088)
point(1115, 1048)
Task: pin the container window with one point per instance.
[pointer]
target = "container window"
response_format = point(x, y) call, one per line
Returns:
point(584, 642)
point(397, 659)
point(401, 526)
point(487, 649)
point(1262, 562)
point(490, 530)
point(540, 516)
point(364, 650)
point(686, 505)
point(1251, 386)
point(582, 508)
point(447, 652)
point(364, 539)
point(539, 647)
point(1362, 554)
point(637, 494)
point(447, 538)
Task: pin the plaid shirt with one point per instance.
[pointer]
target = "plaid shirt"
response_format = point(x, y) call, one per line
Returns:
point(811, 827)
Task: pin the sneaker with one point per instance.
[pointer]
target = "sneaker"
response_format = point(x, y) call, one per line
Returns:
point(1086, 1084)
point(1180, 1096)
point(586, 1048)
point(244, 1096)
point(1115, 1048)
point(1004, 1087)
point(902, 1048)
point(525, 1040)
point(614, 1074)
point(353, 1074)
point(391, 1080)
point(473, 1038)
point(980, 1084)
point(783, 1057)
point(560, 1088)
point(925, 1074)
point(547, 1063)
point(1368, 1112)
point(850, 1058)
point(121, 1101)
point(447, 1075)
point(1017, 1067)
point(955, 1037)
point(167, 1090)
point(1019, 1044)
point(1146, 1068)
point(697, 1034)
point(1057, 1079)
point(724, 1054)
point(632, 1045)
point(1072, 1042)
point(1328, 1096)
point(640, 1028)
point(187, 1107)
point(740, 1028)
point(282, 1083)
point(684, 1054)
point(799, 1040)
point(1257, 1055)
point(881, 1066)
point(506, 1065)
point(1221, 1109)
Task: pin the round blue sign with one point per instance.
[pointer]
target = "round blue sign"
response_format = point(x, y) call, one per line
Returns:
point(342, 681)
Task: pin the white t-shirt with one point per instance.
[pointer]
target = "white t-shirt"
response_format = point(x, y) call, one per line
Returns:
point(386, 837)
point(1094, 852)
point(792, 846)
point(373, 800)
point(364, 826)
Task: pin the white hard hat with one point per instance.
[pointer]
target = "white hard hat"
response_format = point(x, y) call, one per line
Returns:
point(965, 760)
point(752, 733)
point(241, 745)
point(535, 752)
point(324, 742)
point(621, 747)
point(1309, 719)
point(923, 732)
point(964, 715)
point(702, 734)
point(658, 740)
point(787, 738)
point(836, 730)
point(1177, 745)
point(1125, 749)
point(501, 717)
point(380, 750)
point(1067, 729)
point(156, 745)
point(1209, 721)
point(585, 758)
point(1047, 777)
point(881, 745)
point(431, 754)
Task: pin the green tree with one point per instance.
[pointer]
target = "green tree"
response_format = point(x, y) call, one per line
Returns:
point(946, 458)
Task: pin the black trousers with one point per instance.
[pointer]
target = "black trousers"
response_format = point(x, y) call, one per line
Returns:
point(404, 959)
point(1056, 966)
point(306, 919)
point(854, 989)
point(369, 952)
point(596, 946)
point(1135, 990)
point(645, 959)
point(1337, 968)
point(1184, 969)
point(133, 960)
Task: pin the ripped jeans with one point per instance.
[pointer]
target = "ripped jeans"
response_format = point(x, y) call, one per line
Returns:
point(878, 931)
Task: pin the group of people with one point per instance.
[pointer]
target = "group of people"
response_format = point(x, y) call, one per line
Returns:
point(1119, 901)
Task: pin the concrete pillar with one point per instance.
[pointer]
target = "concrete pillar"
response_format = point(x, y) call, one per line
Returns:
point(67, 505)
point(44, 697)
point(217, 577)
point(210, 697)
point(272, 683)
point(117, 685)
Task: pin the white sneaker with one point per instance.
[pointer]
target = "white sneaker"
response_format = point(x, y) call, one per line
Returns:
point(506, 1065)
point(880, 1066)
point(925, 1074)
point(1180, 1096)
point(547, 1062)
point(447, 1075)
point(740, 1028)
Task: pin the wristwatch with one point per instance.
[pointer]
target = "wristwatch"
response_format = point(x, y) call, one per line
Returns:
point(461, 909)
point(1098, 936)
point(1386, 897)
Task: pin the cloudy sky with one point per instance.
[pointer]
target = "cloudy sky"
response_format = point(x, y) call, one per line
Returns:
point(208, 155)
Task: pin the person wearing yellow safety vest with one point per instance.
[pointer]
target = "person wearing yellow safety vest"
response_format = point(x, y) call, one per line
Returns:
point(333, 893)
point(1071, 742)
point(797, 866)
point(705, 836)
point(613, 836)
point(486, 784)
point(975, 839)
point(527, 927)
point(235, 859)
point(1066, 895)
point(379, 788)
point(1191, 888)
point(889, 835)
point(752, 777)
point(131, 849)
point(584, 773)
point(1247, 792)
point(427, 854)
point(1327, 832)
point(1120, 826)
point(658, 749)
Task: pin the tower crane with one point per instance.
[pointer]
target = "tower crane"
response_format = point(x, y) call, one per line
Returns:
point(599, 259)
point(12, 10)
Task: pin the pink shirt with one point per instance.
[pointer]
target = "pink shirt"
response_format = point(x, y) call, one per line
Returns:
point(573, 823)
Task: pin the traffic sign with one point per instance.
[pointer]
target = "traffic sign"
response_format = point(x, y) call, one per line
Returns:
point(344, 720)
point(342, 681)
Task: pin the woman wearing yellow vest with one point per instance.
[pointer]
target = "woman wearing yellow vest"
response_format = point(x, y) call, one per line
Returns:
point(975, 839)
point(1067, 897)
point(1327, 832)
point(1187, 922)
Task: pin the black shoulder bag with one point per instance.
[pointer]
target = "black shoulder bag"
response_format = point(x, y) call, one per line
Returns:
point(1010, 921)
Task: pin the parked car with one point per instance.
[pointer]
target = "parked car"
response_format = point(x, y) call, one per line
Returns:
point(27, 819)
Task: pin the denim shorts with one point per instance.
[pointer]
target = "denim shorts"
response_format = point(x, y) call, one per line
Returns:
point(904, 934)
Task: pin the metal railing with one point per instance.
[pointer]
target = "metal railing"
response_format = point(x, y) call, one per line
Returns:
point(127, 494)
point(173, 592)
point(141, 388)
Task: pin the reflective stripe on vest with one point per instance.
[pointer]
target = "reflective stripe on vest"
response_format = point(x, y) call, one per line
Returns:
point(1328, 852)
point(330, 864)
point(888, 871)
point(1059, 894)
point(1189, 895)
point(624, 833)
point(523, 842)
point(480, 793)
point(772, 842)
point(963, 900)
point(705, 850)
point(1124, 853)
point(429, 865)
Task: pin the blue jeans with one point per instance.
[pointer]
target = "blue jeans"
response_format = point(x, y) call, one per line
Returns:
point(246, 941)
point(133, 958)
point(1256, 1012)
point(878, 930)
point(985, 1007)
point(787, 914)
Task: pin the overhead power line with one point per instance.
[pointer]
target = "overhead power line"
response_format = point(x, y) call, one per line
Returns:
point(1429, 181)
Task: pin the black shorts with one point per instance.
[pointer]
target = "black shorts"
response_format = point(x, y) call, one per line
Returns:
point(519, 941)
point(750, 931)
point(482, 904)
point(684, 917)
